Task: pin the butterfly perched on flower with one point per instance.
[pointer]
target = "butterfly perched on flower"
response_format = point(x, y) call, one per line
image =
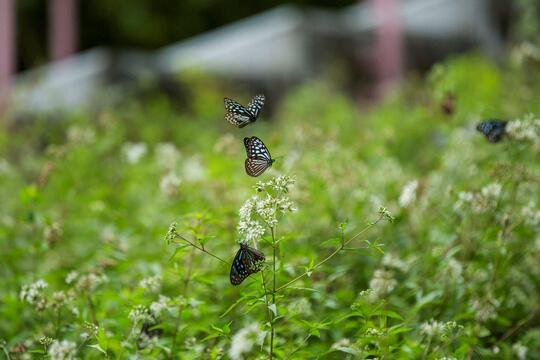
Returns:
point(258, 156)
point(241, 116)
point(493, 129)
point(247, 261)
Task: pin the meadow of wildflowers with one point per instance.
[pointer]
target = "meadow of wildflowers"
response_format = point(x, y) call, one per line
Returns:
point(394, 231)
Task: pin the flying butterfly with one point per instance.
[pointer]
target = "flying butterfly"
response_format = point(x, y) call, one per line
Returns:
point(493, 129)
point(246, 262)
point(241, 116)
point(258, 156)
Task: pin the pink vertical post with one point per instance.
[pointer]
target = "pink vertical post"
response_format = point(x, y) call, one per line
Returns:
point(63, 28)
point(388, 43)
point(7, 47)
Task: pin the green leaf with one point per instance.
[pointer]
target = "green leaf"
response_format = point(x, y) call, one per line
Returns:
point(347, 350)
point(177, 250)
point(389, 313)
point(333, 242)
point(98, 348)
point(232, 307)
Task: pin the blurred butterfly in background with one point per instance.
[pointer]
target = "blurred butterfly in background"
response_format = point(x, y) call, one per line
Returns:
point(241, 116)
point(493, 129)
point(247, 261)
point(258, 156)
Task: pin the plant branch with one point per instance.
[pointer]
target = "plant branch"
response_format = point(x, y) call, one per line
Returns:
point(92, 309)
point(187, 279)
point(201, 248)
point(521, 323)
point(334, 253)
point(272, 328)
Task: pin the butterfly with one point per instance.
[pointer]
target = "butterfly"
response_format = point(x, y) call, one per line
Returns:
point(258, 156)
point(241, 116)
point(246, 262)
point(493, 129)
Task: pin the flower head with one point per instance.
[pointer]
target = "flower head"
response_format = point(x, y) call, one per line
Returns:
point(408, 194)
point(34, 294)
point(382, 282)
point(133, 152)
point(243, 341)
point(62, 350)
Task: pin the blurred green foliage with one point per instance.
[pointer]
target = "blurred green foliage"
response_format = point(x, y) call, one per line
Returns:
point(458, 276)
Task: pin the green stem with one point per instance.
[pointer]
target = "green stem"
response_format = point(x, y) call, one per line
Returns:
point(266, 298)
point(272, 328)
point(200, 248)
point(187, 280)
point(92, 309)
point(57, 327)
point(334, 253)
point(6, 352)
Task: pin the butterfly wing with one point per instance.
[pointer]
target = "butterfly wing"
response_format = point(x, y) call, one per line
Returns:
point(255, 105)
point(246, 262)
point(237, 114)
point(255, 167)
point(238, 271)
point(494, 130)
point(258, 156)
point(256, 149)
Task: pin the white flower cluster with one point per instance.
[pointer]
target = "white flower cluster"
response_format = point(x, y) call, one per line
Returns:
point(151, 283)
point(392, 261)
point(485, 309)
point(53, 232)
point(279, 184)
point(133, 152)
point(62, 350)
point(250, 230)
point(368, 295)
point(434, 328)
point(194, 345)
point(374, 332)
point(341, 343)
point(193, 169)
point(244, 339)
point(382, 283)
point(456, 269)
point(169, 183)
point(520, 351)
point(408, 193)
point(157, 307)
point(140, 313)
point(87, 282)
point(264, 210)
point(531, 214)
point(80, 135)
point(479, 201)
point(33, 294)
point(60, 299)
point(526, 129)
point(167, 155)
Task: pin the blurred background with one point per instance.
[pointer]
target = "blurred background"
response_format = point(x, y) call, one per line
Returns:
point(112, 127)
point(60, 54)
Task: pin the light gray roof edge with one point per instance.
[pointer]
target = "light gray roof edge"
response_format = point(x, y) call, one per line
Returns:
point(359, 17)
point(94, 56)
point(263, 26)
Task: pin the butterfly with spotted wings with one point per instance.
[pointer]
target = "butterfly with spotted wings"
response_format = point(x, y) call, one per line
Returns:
point(247, 261)
point(241, 116)
point(258, 156)
point(493, 129)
